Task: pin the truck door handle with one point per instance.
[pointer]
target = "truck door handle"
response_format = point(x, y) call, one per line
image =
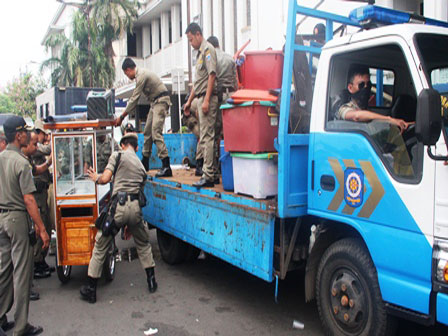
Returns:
point(327, 182)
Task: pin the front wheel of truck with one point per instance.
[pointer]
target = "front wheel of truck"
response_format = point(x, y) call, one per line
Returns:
point(348, 294)
point(172, 249)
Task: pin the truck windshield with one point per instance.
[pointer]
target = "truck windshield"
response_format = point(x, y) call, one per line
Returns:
point(434, 52)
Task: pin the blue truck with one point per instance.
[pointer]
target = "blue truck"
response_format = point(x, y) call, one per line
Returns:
point(372, 237)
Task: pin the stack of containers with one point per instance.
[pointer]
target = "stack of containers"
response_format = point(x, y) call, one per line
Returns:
point(251, 126)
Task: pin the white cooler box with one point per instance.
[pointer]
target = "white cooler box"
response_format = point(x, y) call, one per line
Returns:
point(255, 174)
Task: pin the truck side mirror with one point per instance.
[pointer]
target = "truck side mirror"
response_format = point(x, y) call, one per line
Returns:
point(428, 124)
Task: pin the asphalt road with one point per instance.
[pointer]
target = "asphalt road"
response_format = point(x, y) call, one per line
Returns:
point(206, 297)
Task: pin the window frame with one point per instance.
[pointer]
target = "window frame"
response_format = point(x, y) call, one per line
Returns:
point(418, 175)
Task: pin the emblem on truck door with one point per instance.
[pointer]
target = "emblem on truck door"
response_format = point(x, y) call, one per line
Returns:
point(352, 187)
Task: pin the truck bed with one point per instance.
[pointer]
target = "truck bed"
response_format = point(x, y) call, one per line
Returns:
point(186, 177)
point(235, 228)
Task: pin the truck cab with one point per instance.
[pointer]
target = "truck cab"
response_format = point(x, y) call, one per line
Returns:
point(381, 190)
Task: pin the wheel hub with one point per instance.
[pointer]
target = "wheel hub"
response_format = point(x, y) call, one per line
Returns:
point(348, 301)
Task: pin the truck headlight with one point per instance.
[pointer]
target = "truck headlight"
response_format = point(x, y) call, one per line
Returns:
point(441, 259)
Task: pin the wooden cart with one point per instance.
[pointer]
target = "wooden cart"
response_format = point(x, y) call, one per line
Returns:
point(78, 200)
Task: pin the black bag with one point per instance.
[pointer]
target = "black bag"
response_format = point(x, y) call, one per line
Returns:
point(105, 213)
point(141, 199)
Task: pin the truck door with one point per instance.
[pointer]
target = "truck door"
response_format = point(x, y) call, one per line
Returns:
point(369, 175)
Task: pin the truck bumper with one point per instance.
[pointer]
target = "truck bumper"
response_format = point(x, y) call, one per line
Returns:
point(442, 308)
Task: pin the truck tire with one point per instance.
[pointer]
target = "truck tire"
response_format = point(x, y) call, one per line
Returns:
point(172, 249)
point(348, 294)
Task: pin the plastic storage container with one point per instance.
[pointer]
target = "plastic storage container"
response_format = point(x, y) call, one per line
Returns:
point(255, 174)
point(263, 70)
point(226, 168)
point(250, 127)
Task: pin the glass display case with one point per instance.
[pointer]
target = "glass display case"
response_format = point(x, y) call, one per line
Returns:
point(72, 156)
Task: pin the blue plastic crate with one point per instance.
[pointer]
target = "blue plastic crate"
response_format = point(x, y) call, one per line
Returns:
point(226, 168)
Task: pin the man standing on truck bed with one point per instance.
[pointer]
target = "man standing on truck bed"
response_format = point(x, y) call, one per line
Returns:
point(129, 180)
point(151, 86)
point(227, 84)
point(205, 89)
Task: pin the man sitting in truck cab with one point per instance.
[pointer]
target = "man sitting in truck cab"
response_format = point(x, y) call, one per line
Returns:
point(359, 87)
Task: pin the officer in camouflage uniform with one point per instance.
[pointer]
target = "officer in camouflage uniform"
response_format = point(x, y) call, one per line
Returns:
point(17, 204)
point(42, 182)
point(129, 180)
point(151, 86)
point(205, 89)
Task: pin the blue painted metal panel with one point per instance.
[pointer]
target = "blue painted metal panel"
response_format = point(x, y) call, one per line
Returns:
point(442, 308)
point(178, 145)
point(400, 251)
point(236, 233)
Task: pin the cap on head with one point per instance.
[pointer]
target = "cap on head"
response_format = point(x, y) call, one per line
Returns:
point(15, 124)
point(129, 136)
point(39, 125)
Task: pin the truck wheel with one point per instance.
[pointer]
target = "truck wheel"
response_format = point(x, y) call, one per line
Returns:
point(192, 253)
point(347, 291)
point(109, 263)
point(172, 249)
point(63, 272)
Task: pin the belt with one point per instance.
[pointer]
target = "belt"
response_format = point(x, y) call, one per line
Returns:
point(9, 210)
point(160, 95)
point(199, 95)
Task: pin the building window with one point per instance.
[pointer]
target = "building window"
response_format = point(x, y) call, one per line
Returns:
point(47, 110)
point(160, 33)
point(223, 20)
point(41, 113)
point(150, 39)
point(132, 44)
point(180, 24)
point(170, 28)
point(235, 26)
point(248, 21)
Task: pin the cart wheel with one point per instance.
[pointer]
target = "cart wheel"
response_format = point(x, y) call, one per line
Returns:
point(63, 272)
point(109, 264)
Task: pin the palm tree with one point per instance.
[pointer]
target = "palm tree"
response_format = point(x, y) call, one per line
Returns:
point(113, 18)
point(76, 64)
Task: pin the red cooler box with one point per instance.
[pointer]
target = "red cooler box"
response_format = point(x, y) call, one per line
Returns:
point(250, 127)
point(263, 70)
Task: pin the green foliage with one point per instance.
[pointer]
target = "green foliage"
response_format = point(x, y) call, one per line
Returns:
point(101, 22)
point(20, 94)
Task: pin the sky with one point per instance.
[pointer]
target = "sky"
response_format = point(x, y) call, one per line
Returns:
point(23, 24)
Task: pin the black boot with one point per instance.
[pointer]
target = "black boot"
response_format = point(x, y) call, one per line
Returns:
point(40, 272)
point(151, 279)
point(88, 292)
point(165, 171)
point(145, 162)
point(199, 164)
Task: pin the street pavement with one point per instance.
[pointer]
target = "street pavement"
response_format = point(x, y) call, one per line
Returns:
point(205, 297)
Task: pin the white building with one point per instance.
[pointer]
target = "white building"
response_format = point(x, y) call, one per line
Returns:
point(159, 43)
